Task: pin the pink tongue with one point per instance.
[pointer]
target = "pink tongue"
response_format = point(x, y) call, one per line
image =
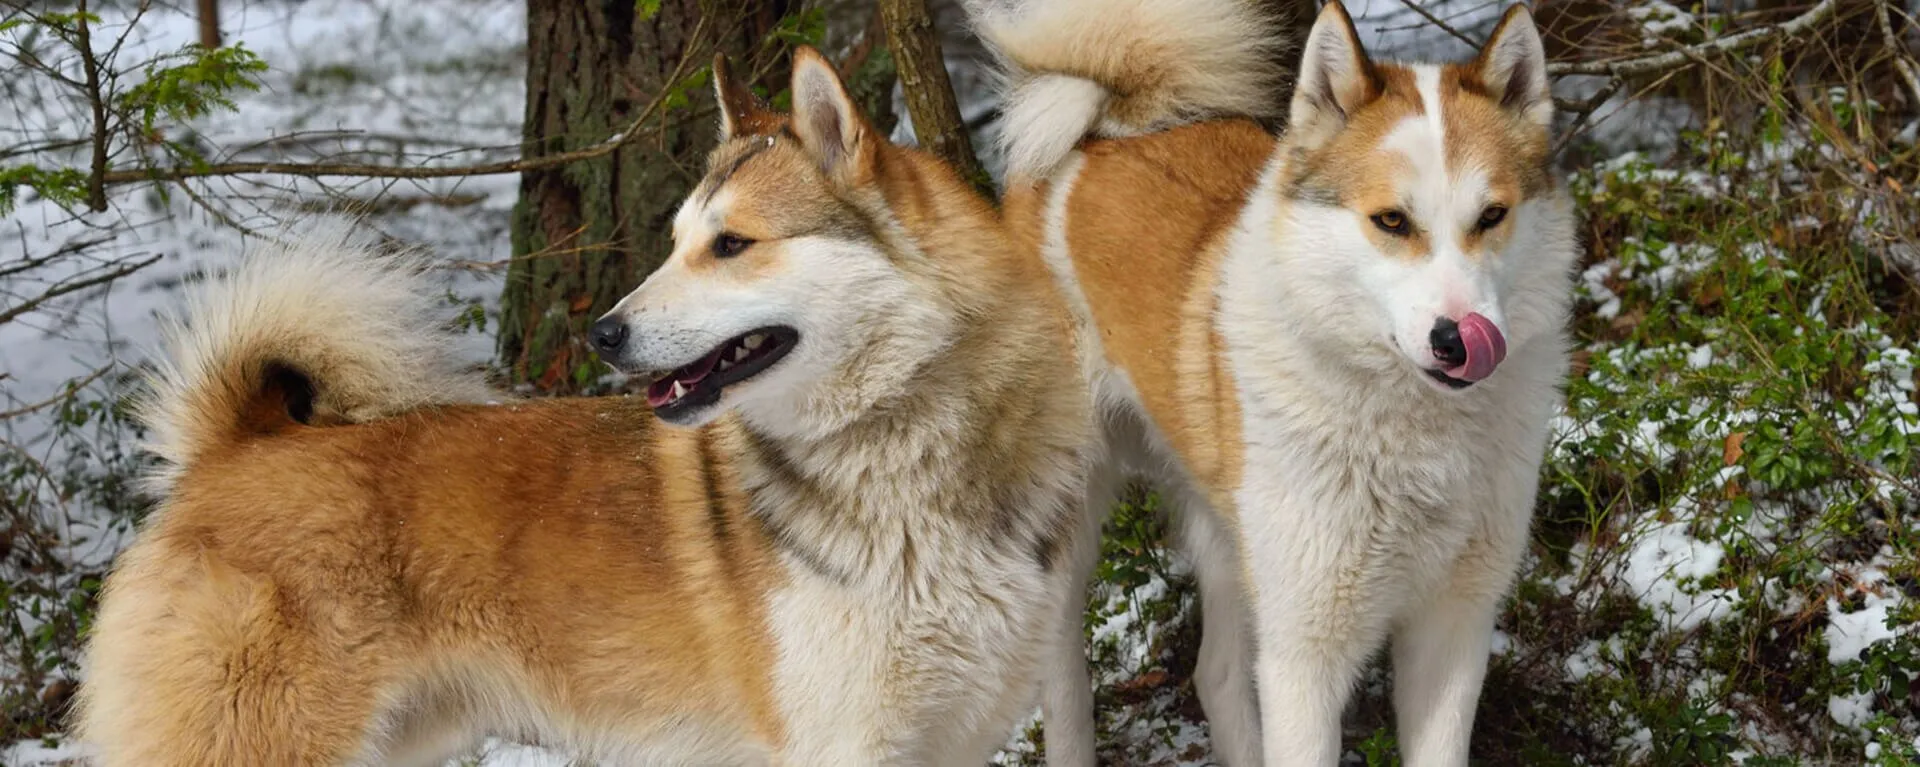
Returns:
point(661, 391)
point(1486, 348)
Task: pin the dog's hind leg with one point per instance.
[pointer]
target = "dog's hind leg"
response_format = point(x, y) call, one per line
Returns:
point(1066, 702)
point(195, 663)
point(1224, 672)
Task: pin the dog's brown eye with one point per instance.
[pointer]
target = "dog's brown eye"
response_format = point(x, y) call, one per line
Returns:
point(729, 245)
point(1391, 221)
point(1492, 216)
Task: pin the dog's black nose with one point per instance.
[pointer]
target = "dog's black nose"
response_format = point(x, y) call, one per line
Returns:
point(1447, 346)
point(609, 334)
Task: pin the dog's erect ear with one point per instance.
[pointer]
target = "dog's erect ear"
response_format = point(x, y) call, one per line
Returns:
point(826, 120)
point(1513, 66)
point(741, 113)
point(1336, 78)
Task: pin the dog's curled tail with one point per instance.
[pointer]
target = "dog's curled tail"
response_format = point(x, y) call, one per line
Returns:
point(1075, 68)
point(319, 329)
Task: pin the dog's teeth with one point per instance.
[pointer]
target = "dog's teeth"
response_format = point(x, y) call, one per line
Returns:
point(678, 390)
point(753, 342)
point(724, 364)
point(740, 353)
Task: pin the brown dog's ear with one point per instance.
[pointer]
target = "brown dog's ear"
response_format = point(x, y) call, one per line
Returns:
point(1336, 78)
point(1513, 65)
point(827, 121)
point(741, 113)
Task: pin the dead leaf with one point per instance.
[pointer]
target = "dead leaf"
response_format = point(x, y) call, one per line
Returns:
point(1734, 449)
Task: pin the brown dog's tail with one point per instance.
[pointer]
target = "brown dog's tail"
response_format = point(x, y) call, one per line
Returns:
point(1079, 68)
point(319, 328)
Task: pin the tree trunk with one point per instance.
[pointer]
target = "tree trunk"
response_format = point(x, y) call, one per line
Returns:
point(586, 234)
point(930, 100)
point(210, 24)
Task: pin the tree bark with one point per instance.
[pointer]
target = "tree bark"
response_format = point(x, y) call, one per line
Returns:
point(210, 24)
point(587, 233)
point(937, 123)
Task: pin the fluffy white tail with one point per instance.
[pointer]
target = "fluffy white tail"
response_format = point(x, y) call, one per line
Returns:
point(321, 329)
point(1122, 67)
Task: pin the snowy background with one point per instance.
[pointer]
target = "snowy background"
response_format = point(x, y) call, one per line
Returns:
point(1725, 602)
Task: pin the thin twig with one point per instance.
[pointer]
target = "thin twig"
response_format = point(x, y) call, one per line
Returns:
point(57, 291)
point(1444, 26)
point(71, 389)
point(1584, 110)
point(27, 263)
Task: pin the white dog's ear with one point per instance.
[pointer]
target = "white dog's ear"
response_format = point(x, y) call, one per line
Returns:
point(1336, 78)
point(741, 112)
point(828, 123)
point(1513, 66)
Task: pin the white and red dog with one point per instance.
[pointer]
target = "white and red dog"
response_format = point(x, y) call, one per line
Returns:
point(1338, 348)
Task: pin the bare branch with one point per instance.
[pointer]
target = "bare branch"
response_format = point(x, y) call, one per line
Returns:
point(71, 389)
point(210, 24)
point(96, 183)
point(57, 291)
point(1664, 62)
point(29, 263)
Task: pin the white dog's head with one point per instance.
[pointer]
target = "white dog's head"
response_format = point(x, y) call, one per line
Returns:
point(1420, 202)
point(784, 293)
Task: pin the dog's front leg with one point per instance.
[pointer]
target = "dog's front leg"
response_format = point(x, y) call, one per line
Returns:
point(1439, 662)
point(1441, 651)
point(1318, 616)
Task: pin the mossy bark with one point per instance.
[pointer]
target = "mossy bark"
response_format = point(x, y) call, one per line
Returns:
point(586, 234)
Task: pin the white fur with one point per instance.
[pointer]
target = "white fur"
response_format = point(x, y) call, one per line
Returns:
point(1136, 66)
point(365, 327)
point(1376, 504)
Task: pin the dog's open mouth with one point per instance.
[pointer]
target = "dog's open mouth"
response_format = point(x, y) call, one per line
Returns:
point(739, 359)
